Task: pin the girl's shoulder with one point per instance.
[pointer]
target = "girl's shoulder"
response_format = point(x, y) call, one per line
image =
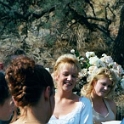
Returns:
point(17, 122)
point(111, 104)
point(13, 123)
point(109, 101)
point(85, 100)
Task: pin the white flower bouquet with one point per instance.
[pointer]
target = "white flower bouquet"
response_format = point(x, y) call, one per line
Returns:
point(90, 62)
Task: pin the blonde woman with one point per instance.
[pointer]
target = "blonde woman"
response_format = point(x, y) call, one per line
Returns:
point(100, 86)
point(69, 108)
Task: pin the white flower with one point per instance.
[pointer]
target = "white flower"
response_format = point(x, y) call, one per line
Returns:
point(83, 73)
point(72, 51)
point(100, 63)
point(114, 65)
point(122, 83)
point(78, 59)
point(90, 54)
point(117, 75)
point(107, 59)
point(81, 59)
point(120, 69)
point(94, 60)
point(47, 69)
point(92, 69)
point(104, 55)
point(110, 65)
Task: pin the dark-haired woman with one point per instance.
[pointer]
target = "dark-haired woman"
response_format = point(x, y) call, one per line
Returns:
point(32, 88)
point(6, 102)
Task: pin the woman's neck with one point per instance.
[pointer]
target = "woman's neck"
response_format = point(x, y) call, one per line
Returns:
point(61, 95)
point(96, 97)
point(32, 116)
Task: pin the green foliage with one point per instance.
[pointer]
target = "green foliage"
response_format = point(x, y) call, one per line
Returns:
point(64, 19)
point(84, 62)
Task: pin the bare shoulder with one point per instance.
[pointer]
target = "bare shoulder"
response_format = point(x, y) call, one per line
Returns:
point(112, 104)
point(16, 122)
point(75, 97)
point(110, 101)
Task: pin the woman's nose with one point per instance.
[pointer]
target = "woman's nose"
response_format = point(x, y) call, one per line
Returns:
point(106, 87)
point(69, 77)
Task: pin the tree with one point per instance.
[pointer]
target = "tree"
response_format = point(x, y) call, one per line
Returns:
point(80, 23)
point(118, 49)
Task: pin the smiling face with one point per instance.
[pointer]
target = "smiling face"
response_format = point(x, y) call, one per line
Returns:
point(66, 76)
point(102, 86)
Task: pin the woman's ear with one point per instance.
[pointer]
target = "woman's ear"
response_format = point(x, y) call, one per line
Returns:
point(47, 93)
point(93, 83)
point(55, 76)
point(16, 104)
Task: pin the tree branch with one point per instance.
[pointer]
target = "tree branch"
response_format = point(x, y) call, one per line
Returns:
point(7, 6)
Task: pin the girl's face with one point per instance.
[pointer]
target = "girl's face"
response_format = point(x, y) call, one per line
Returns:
point(102, 87)
point(66, 76)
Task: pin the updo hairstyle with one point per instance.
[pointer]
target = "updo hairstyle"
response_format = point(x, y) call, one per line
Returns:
point(27, 80)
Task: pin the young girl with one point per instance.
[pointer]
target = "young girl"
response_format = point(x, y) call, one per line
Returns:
point(69, 108)
point(101, 84)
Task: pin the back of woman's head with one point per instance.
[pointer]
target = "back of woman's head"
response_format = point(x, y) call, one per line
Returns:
point(4, 91)
point(27, 80)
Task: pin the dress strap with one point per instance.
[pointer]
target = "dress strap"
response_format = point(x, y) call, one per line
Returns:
point(107, 105)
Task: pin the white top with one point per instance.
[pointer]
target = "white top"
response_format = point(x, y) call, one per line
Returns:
point(82, 114)
point(98, 118)
point(112, 122)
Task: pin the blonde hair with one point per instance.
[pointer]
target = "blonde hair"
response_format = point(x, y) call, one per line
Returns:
point(66, 58)
point(100, 73)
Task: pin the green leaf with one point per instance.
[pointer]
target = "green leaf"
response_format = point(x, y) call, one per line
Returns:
point(77, 53)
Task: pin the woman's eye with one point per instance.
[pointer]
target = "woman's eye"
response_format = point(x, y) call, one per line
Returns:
point(74, 76)
point(65, 74)
point(103, 84)
point(110, 86)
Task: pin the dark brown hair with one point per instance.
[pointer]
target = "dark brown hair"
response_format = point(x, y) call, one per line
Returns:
point(27, 80)
point(4, 90)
